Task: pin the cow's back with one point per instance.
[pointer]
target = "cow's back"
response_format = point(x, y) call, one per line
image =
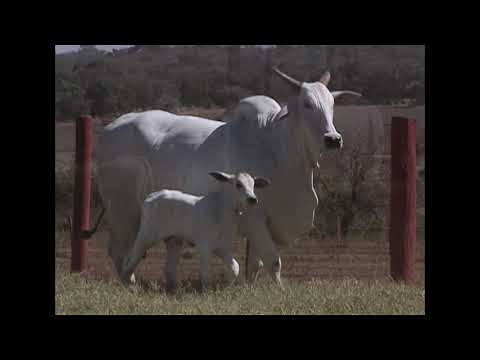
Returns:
point(167, 142)
point(141, 133)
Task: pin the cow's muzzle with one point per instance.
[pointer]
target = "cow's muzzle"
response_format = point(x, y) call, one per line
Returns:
point(333, 141)
point(252, 201)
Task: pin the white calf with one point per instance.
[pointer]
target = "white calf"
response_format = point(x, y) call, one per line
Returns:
point(210, 222)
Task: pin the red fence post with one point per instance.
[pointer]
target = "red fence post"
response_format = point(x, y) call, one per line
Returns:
point(403, 200)
point(81, 200)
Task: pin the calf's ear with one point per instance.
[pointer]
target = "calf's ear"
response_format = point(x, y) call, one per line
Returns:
point(261, 182)
point(221, 176)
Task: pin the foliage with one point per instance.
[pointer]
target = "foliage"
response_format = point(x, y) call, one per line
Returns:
point(165, 77)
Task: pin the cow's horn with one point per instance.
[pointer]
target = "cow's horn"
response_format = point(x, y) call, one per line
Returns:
point(288, 78)
point(336, 94)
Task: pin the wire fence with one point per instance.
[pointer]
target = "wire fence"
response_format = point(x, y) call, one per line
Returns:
point(352, 221)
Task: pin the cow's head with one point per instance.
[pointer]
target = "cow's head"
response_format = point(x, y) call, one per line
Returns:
point(312, 108)
point(242, 186)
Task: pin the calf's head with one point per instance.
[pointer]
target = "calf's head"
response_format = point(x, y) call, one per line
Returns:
point(242, 186)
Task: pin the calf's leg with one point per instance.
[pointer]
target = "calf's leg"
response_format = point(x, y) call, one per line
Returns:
point(254, 264)
point(262, 247)
point(230, 262)
point(174, 247)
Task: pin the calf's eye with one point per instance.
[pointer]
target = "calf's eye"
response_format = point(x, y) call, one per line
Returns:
point(308, 105)
point(239, 186)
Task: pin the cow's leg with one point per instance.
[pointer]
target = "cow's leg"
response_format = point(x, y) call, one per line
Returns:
point(117, 250)
point(230, 262)
point(262, 247)
point(135, 254)
point(117, 186)
point(204, 265)
point(174, 248)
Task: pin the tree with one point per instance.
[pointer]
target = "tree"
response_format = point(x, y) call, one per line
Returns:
point(233, 63)
point(70, 99)
point(351, 191)
point(103, 102)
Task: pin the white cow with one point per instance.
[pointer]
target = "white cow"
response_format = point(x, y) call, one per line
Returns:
point(164, 150)
point(209, 222)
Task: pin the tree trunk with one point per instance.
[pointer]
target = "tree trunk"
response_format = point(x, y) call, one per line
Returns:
point(233, 62)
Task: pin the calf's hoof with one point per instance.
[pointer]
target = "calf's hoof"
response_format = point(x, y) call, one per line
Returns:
point(279, 282)
point(282, 288)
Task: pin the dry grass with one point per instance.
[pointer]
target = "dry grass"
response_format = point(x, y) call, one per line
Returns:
point(78, 294)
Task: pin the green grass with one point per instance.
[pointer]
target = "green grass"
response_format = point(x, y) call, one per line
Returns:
point(77, 294)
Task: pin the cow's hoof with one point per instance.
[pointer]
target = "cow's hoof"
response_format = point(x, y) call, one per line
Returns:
point(171, 287)
point(128, 280)
point(132, 279)
point(187, 255)
point(171, 290)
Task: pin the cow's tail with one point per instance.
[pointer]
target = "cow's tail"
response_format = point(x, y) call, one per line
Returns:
point(90, 232)
point(146, 186)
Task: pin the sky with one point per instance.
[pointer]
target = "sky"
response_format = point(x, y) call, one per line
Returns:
point(66, 48)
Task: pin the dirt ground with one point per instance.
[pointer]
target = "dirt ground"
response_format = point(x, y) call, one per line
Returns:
point(310, 258)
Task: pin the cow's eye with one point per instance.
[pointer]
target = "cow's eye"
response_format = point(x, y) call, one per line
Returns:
point(239, 186)
point(308, 105)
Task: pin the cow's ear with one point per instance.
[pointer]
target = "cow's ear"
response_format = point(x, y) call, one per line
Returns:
point(221, 176)
point(261, 182)
point(325, 78)
point(282, 113)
